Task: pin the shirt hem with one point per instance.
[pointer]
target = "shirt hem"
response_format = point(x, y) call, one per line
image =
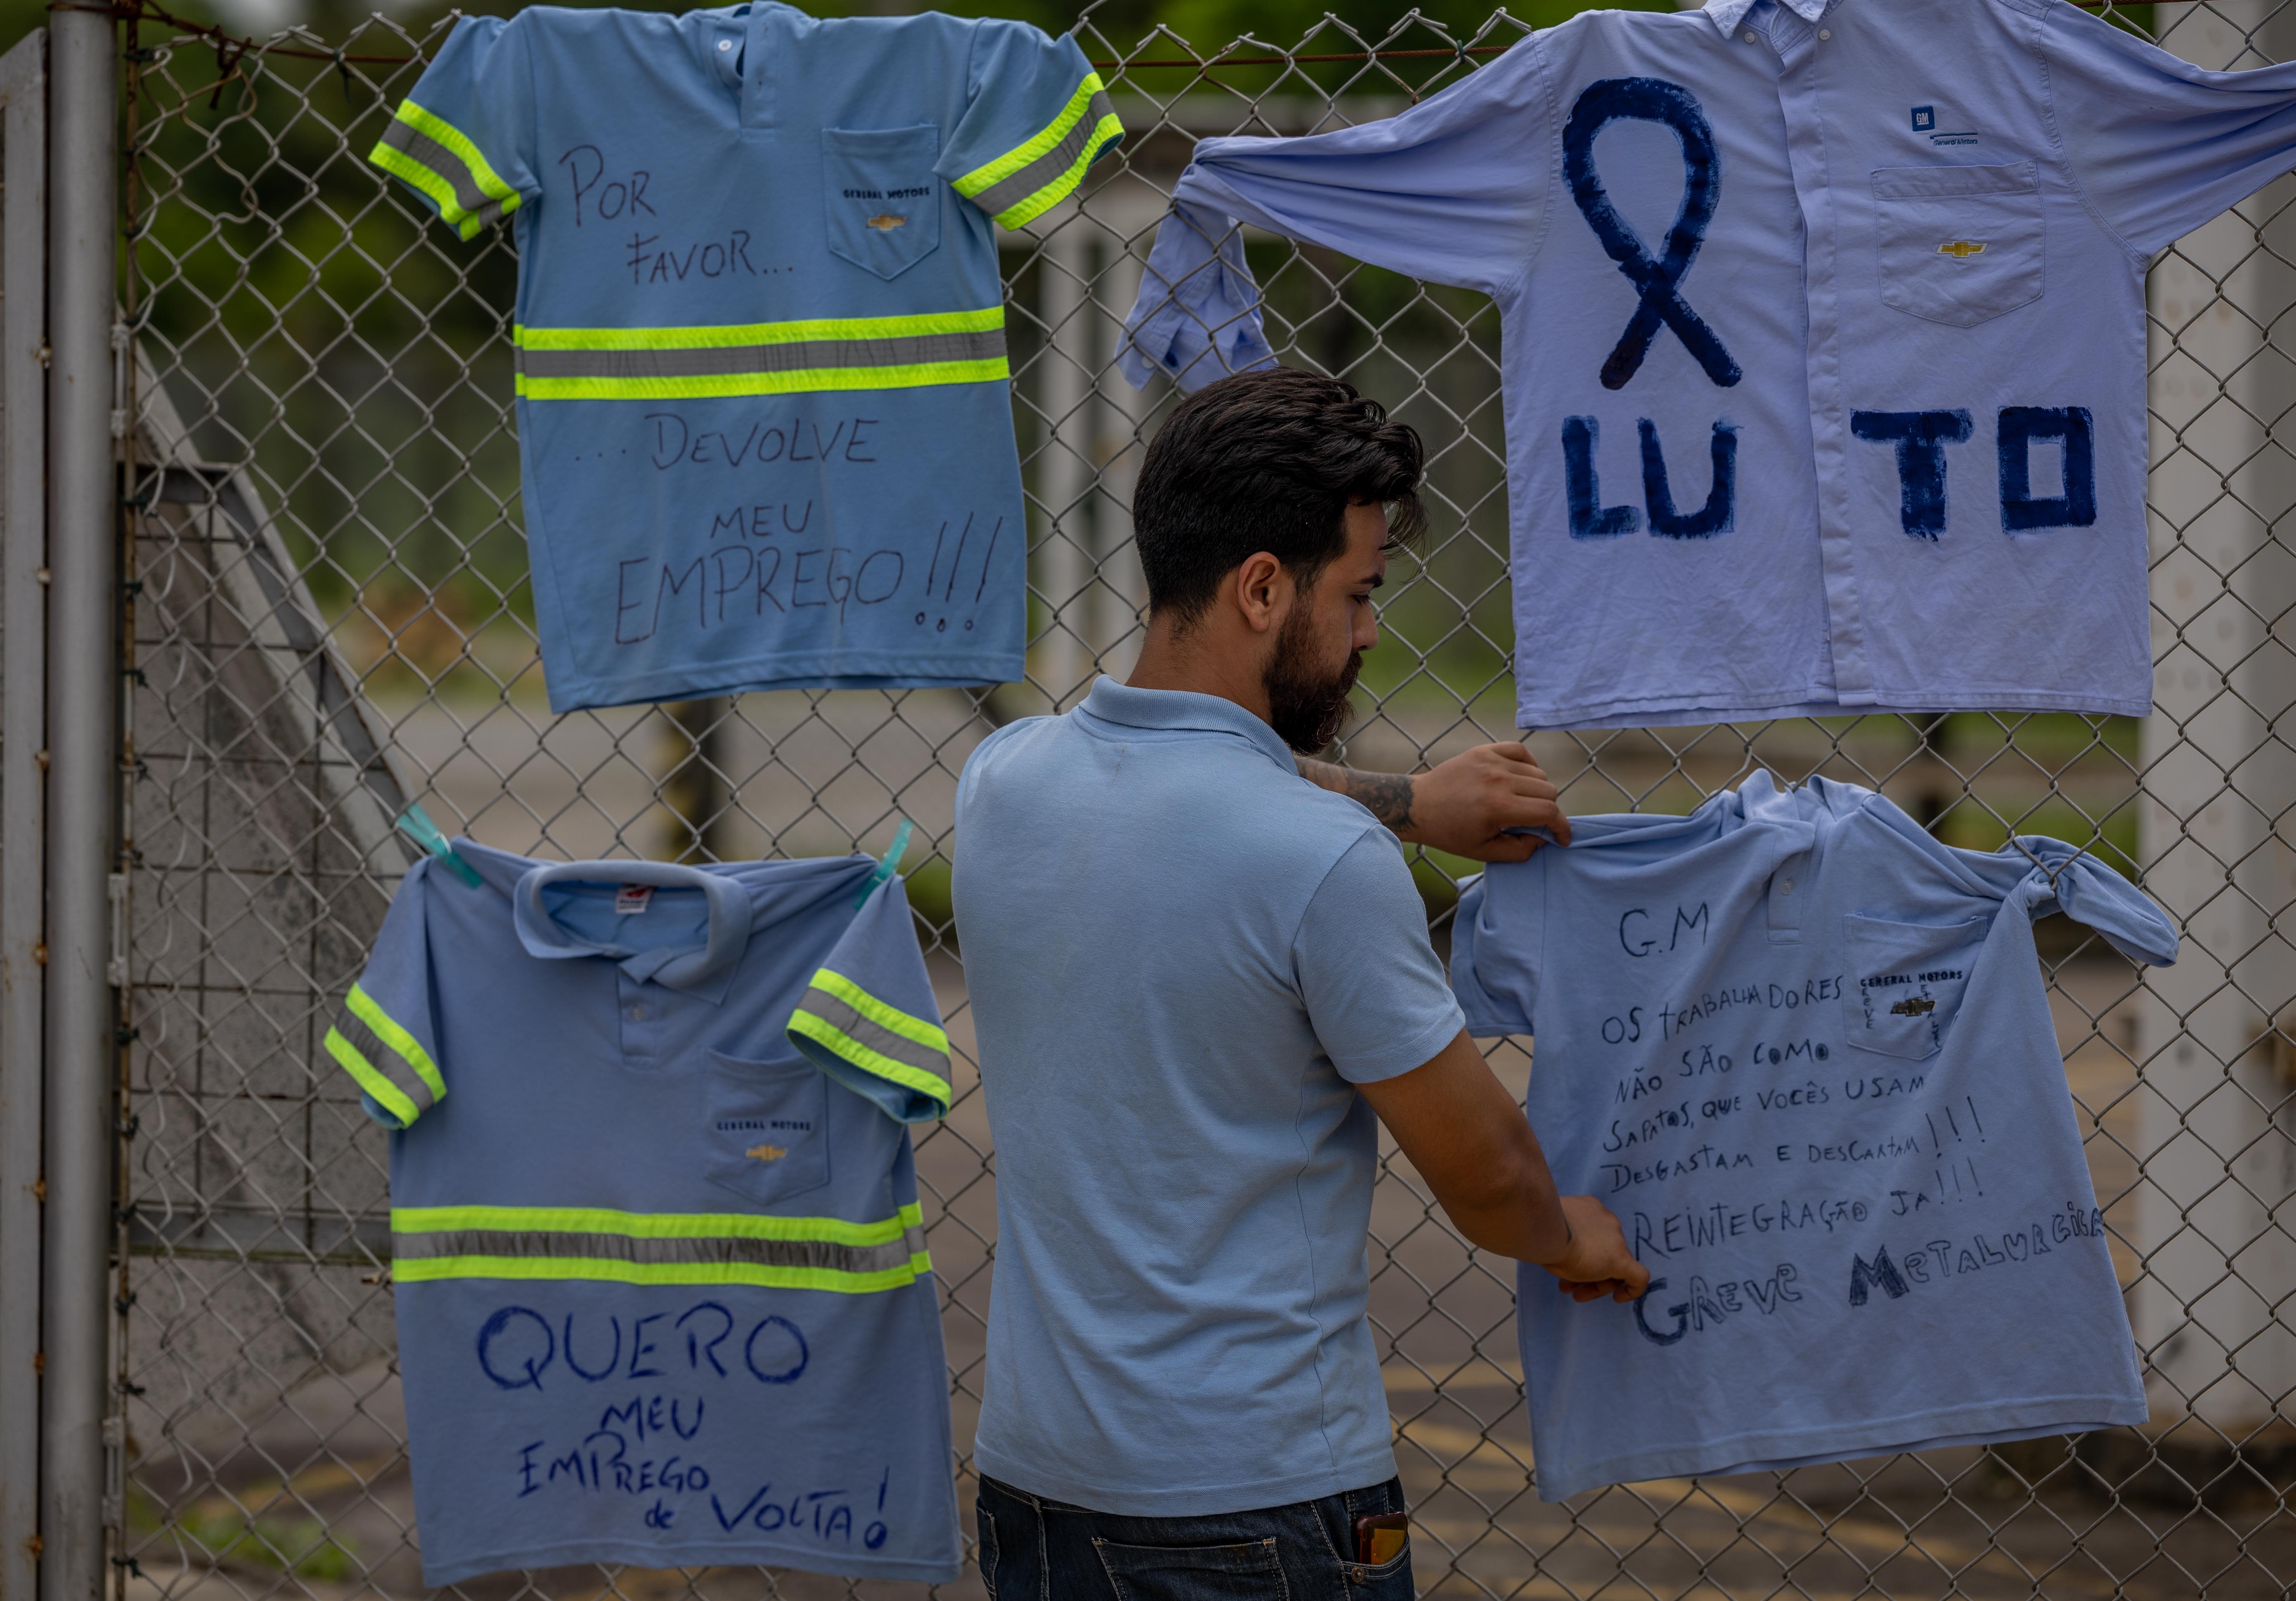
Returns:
point(1196, 1502)
point(738, 1553)
point(816, 671)
point(1749, 1452)
point(1646, 714)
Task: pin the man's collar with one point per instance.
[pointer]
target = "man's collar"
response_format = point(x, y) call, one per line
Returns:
point(1120, 703)
point(705, 970)
point(1727, 14)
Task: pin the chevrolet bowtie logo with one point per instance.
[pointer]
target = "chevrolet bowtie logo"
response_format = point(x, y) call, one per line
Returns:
point(1918, 1006)
point(886, 222)
point(766, 1153)
point(1960, 250)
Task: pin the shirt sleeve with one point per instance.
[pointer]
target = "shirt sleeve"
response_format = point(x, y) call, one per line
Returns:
point(868, 1019)
point(387, 1035)
point(1452, 190)
point(1038, 117)
point(461, 139)
point(1498, 946)
point(1374, 992)
point(2159, 145)
point(2077, 884)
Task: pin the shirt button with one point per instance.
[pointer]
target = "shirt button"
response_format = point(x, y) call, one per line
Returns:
point(725, 44)
point(1824, 33)
point(1750, 36)
point(635, 1014)
point(1786, 889)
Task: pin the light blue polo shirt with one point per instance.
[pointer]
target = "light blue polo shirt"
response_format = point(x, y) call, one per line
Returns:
point(1803, 1050)
point(660, 1275)
point(1183, 957)
point(763, 399)
point(1824, 336)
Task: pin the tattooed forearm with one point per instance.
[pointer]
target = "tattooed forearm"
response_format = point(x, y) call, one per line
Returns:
point(1386, 796)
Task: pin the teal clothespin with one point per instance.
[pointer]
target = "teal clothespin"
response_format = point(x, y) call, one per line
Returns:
point(892, 864)
point(415, 823)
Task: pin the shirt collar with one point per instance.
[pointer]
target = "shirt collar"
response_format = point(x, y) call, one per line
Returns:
point(1728, 13)
point(705, 970)
point(1121, 703)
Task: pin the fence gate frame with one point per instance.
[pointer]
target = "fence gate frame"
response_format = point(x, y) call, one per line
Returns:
point(60, 722)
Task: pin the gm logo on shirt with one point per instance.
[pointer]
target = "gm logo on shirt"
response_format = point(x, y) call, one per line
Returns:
point(1926, 122)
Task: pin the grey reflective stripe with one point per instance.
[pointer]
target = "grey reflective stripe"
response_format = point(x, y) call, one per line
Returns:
point(543, 1244)
point(384, 1060)
point(732, 361)
point(419, 146)
point(913, 1238)
point(1008, 193)
point(855, 1026)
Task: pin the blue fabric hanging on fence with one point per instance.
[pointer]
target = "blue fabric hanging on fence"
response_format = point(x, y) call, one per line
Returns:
point(763, 396)
point(1824, 336)
point(1803, 1050)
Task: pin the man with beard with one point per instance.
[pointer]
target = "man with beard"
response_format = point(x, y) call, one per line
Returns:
point(1197, 980)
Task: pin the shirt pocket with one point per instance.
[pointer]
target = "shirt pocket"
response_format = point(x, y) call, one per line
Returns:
point(768, 1135)
point(1959, 245)
point(1906, 982)
point(882, 197)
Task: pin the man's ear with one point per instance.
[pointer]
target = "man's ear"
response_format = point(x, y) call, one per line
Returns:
point(1262, 590)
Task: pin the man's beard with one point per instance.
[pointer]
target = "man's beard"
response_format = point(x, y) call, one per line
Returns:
point(1307, 706)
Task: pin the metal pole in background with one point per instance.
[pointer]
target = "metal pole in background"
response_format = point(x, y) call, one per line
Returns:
point(83, 687)
point(23, 742)
point(2215, 1136)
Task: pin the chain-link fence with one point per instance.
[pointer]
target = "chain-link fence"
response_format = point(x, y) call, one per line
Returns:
point(330, 617)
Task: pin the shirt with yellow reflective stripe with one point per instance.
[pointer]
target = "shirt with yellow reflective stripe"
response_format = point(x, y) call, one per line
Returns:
point(759, 353)
point(662, 1280)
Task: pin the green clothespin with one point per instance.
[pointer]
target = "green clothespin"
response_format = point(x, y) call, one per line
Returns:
point(891, 864)
point(415, 823)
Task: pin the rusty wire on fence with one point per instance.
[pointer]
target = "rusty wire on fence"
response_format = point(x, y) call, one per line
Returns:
point(331, 617)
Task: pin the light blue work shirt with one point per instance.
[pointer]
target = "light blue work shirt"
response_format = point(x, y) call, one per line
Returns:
point(662, 1290)
point(1182, 958)
point(763, 401)
point(1824, 336)
point(1802, 1050)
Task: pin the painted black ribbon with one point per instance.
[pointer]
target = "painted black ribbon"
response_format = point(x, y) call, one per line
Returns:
point(1651, 100)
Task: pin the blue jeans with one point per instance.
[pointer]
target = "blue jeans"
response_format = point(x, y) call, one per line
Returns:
point(1033, 1549)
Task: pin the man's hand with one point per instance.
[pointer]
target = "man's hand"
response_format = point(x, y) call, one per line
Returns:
point(1596, 1262)
point(1462, 806)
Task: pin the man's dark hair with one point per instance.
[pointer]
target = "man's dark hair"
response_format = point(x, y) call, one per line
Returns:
point(1267, 461)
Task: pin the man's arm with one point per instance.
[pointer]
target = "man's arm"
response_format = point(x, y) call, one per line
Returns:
point(1462, 806)
point(1463, 1131)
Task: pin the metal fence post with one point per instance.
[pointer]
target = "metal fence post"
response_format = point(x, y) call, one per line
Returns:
point(2213, 1132)
point(83, 719)
point(23, 740)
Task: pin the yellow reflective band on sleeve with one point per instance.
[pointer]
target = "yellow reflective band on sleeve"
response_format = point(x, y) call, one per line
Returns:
point(363, 1006)
point(857, 1027)
point(440, 189)
point(434, 127)
point(878, 1012)
point(389, 1096)
point(989, 174)
point(929, 1084)
point(1063, 184)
